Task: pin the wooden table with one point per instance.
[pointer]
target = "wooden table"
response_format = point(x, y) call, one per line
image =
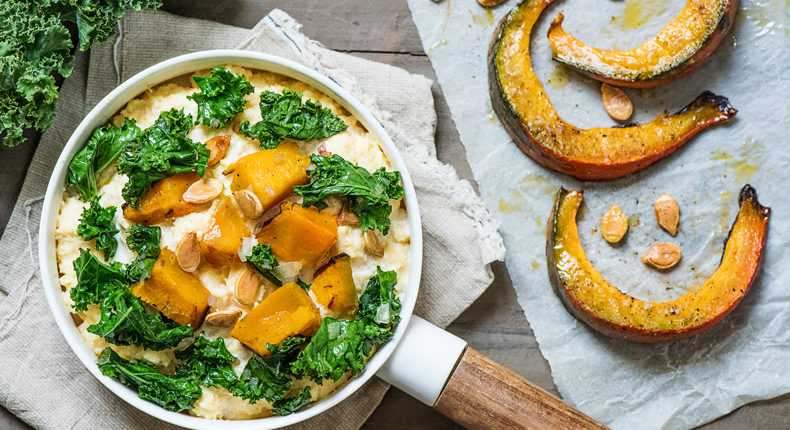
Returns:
point(494, 324)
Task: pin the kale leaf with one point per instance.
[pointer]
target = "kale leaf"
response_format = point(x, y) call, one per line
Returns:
point(97, 223)
point(174, 393)
point(36, 44)
point(368, 193)
point(161, 151)
point(285, 117)
point(341, 346)
point(125, 320)
point(281, 356)
point(144, 240)
point(260, 380)
point(221, 97)
point(94, 280)
point(102, 148)
point(263, 260)
point(289, 406)
point(208, 361)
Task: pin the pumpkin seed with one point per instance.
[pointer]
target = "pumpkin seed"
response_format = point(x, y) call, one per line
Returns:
point(614, 224)
point(218, 147)
point(667, 213)
point(223, 318)
point(348, 218)
point(202, 191)
point(249, 204)
point(662, 255)
point(247, 286)
point(616, 102)
point(188, 252)
point(490, 3)
point(373, 245)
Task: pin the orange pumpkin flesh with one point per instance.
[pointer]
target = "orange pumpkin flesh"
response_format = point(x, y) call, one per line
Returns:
point(676, 51)
point(300, 234)
point(589, 297)
point(220, 244)
point(587, 154)
point(164, 201)
point(333, 286)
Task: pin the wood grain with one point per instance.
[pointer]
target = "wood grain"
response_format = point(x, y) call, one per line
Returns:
point(482, 394)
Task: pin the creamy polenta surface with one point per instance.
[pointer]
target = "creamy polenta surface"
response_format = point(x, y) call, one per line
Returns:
point(355, 144)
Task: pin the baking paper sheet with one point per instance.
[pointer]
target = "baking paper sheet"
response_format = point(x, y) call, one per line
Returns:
point(676, 385)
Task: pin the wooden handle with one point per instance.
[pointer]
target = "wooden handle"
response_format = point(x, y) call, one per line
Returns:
point(482, 394)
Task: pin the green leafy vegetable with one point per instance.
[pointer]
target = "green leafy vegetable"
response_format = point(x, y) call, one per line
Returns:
point(340, 346)
point(368, 193)
point(143, 240)
point(97, 223)
point(94, 280)
point(125, 320)
point(289, 406)
point(263, 260)
point(175, 393)
point(221, 97)
point(285, 117)
point(305, 286)
point(161, 151)
point(102, 148)
point(209, 362)
point(260, 380)
point(35, 44)
point(378, 303)
point(281, 356)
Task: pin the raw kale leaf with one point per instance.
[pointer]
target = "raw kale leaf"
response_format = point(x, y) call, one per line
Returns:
point(35, 44)
point(174, 393)
point(260, 380)
point(125, 320)
point(144, 240)
point(208, 361)
point(340, 346)
point(285, 117)
point(221, 97)
point(97, 223)
point(161, 151)
point(95, 280)
point(368, 193)
point(102, 148)
point(264, 262)
point(289, 406)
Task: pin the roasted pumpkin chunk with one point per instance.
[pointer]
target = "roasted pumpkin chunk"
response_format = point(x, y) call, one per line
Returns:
point(677, 50)
point(271, 174)
point(334, 287)
point(300, 234)
point(603, 153)
point(592, 299)
point(164, 200)
point(286, 312)
point(179, 295)
point(220, 243)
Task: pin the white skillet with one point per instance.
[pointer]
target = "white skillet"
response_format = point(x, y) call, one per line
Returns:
point(420, 359)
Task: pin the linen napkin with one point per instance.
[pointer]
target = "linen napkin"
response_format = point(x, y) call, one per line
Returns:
point(41, 380)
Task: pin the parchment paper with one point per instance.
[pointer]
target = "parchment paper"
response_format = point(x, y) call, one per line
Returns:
point(625, 385)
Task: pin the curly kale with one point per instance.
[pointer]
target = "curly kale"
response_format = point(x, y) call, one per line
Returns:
point(285, 117)
point(97, 223)
point(161, 151)
point(35, 45)
point(95, 280)
point(144, 240)
point(221, 97)
point(368, 193)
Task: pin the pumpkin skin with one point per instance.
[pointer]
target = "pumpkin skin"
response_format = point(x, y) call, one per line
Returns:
point(676, 51)
point(518, 98)
point(591, 299)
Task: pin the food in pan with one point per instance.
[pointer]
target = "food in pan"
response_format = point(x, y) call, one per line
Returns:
point(588, 154)
point(589, 297)
point(212, 243)
point(676, 51)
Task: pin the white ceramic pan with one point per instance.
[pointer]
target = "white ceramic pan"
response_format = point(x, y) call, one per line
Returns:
point(429, 363)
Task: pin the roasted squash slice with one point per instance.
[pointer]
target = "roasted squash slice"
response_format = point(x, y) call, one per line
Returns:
point(164, 201)
point(221, 241)
point(179, 295)
point(270, 174)
point(592, 154)
point(300, 234)
point(333, 286)
point(589, 297)
point(286, 312)
point(676, 51)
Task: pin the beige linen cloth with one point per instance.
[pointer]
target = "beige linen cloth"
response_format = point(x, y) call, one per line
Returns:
point(41, 380)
